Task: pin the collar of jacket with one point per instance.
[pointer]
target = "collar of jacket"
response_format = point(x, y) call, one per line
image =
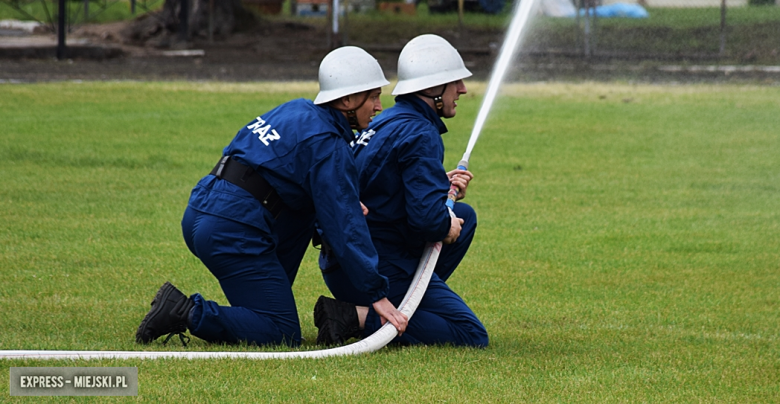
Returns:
point(413, 102)
point(340, 122)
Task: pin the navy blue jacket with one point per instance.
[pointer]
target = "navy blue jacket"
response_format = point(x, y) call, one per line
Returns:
point(303, 151)
point(403, 182)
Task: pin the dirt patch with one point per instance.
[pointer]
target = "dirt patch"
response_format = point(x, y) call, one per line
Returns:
point(289, 51)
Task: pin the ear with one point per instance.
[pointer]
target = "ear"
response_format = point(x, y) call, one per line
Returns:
point(348, 102)
point(433, 91)
point(342, 103)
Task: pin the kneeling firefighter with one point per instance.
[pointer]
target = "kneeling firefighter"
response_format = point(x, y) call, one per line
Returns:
point(250, 220)
point(404, 185)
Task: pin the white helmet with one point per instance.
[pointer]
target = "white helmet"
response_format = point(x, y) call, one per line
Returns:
point(428, 61)
point(348, 70)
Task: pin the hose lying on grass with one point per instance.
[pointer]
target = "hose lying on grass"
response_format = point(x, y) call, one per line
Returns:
point(374, 342)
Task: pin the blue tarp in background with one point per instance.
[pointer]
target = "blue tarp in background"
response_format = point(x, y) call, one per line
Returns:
point(565, 8)
point(618, 10)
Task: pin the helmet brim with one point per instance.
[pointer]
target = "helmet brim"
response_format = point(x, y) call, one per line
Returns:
point(433, 80)
point(330, 95)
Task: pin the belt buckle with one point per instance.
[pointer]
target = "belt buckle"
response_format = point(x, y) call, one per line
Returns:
point(222, 163)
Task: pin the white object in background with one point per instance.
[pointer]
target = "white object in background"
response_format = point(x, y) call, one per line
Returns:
point(27, 26)
point(558, 8)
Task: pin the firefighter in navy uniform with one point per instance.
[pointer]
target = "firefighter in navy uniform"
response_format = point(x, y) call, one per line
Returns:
point(404, 185)
point(250, 220)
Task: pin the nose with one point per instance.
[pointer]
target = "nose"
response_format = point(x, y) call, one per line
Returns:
point(461, 87)
point(378, 105)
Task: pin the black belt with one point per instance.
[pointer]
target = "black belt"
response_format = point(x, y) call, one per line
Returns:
point(245, 177)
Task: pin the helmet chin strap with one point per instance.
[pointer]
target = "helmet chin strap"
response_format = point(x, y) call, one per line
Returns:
point(352, 119)
point(438, 102)
point(352, 113)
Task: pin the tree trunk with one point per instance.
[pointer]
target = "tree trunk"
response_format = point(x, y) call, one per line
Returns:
point(161, 29)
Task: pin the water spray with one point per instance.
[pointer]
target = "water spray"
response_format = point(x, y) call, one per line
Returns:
point(520, 16)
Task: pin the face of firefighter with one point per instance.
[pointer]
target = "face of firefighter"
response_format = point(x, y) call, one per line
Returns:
point(365, 105)
point(449, 98)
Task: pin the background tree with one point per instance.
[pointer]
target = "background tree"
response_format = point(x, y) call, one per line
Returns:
point(170, 27)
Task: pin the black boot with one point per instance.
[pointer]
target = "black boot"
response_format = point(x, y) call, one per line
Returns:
point(169, 315)
point(337, 321)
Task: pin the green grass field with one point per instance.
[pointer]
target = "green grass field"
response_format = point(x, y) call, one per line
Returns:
point(628, 248)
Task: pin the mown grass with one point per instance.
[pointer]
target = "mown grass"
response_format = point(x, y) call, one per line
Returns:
point(627, 248)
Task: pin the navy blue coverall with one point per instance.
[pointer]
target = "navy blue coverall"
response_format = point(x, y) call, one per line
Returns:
point(404, 185)
point(303, 151)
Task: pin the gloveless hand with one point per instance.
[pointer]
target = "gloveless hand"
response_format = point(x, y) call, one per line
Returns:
point(460, 179)
point(388, 312)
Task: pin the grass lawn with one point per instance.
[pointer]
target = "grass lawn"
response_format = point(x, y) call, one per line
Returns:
point(628, 248)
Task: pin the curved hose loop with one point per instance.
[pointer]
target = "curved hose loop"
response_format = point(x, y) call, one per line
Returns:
point(372, 343)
